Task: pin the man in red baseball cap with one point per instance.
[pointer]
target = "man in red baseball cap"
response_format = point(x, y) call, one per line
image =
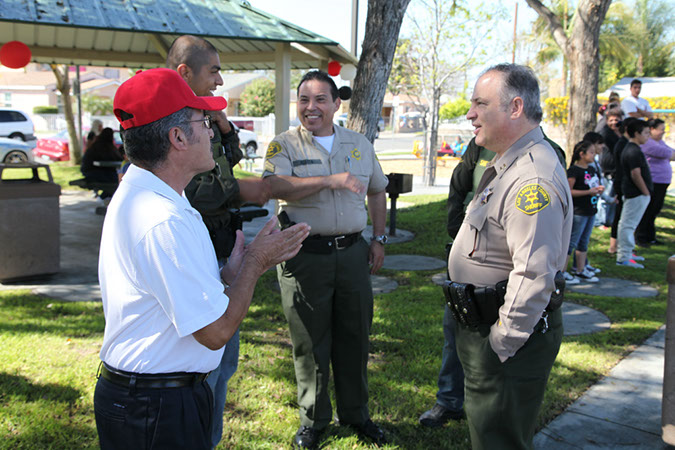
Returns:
point(169, 310)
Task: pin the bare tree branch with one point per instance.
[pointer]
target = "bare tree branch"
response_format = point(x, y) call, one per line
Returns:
point(554, 25)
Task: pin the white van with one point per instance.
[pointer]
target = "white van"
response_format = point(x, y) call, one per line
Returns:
point(16, 124)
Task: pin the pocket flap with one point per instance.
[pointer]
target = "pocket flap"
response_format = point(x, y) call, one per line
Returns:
point(476, 217)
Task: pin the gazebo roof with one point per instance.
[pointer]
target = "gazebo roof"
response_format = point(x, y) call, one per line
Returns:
point(138, 33)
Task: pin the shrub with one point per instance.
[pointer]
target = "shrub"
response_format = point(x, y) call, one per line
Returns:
point(45, 110)
point(555, 110)
point(100, 106)
point(454, 108)
point(257, 100)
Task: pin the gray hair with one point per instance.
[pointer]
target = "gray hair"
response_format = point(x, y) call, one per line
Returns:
point(96, 126)
point(147, 146)
point(519, 81)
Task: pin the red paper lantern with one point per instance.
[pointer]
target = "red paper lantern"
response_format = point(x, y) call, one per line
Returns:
point(15, 55)
point(334, 68)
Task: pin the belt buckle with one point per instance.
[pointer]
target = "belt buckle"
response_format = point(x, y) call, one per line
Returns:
point(337, 244)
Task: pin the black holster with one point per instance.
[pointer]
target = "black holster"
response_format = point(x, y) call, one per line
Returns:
point(461, 302)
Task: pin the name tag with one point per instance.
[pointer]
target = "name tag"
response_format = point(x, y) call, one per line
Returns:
point(304, 162)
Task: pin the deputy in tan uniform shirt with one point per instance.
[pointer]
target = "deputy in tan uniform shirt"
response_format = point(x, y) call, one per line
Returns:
point(517, 228)
point(322, 174)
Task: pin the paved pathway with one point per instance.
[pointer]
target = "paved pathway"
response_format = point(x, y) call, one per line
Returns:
point(80, 237)
point(623, 410)
point(614, 287)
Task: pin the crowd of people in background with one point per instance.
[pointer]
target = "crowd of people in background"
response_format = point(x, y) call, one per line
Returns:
point(619, 175)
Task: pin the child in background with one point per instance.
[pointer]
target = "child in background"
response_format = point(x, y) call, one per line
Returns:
point(585, 185)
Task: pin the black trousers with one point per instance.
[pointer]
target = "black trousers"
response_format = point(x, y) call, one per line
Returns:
point(646, 230)
point(175, 418)
point(617, 215)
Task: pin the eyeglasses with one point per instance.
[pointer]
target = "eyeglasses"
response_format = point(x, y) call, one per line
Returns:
point(206, 120)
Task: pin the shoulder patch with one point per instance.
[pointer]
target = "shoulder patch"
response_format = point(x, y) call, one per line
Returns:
point(273, 149)
point(532, 198)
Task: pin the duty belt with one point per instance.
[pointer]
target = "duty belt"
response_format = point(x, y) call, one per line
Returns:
point(472, 306)
point(326, 244)
point(148, 380)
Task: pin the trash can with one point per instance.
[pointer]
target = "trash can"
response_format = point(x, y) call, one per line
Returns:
point(29, 223)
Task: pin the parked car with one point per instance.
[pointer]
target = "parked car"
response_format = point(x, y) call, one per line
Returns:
point(56, 148)
point(14, 151)
point(16, 124)
point(248, 141)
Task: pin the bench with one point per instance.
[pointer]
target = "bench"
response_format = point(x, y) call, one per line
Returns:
point(249, 161)
point(95, 186)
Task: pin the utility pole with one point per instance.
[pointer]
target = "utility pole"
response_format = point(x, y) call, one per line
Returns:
point(515, 34)
point(564, 68)
point(355, 26)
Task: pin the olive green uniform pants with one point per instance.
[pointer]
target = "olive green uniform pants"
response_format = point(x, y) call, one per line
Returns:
point(328, 302)
point(502, 400)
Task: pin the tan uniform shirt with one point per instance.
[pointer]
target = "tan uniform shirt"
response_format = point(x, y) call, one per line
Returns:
point(329, 212)
point(517, 227)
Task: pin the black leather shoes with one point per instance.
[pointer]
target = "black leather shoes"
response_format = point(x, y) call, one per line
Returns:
point(306, 437)
point(371, 431)
point(439, 416)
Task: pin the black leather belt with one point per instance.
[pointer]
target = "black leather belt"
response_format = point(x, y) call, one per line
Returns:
point(326, 244)
point(150, 380)
point(472, 306)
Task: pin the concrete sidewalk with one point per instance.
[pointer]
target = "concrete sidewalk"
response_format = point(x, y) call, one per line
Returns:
point(623, 410)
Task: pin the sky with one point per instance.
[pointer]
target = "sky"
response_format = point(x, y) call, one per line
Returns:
point(311, 15)
point(332, 19)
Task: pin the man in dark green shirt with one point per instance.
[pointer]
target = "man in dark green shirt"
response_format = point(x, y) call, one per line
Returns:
point(216, 192)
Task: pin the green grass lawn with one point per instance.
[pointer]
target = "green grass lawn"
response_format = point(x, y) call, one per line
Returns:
point(62, 173)
point(49, 354)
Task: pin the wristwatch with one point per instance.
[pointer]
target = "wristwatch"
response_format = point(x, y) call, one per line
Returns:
point(382, 239)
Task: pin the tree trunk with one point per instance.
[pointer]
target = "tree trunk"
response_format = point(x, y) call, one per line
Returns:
point(584, 59)
point(430, 157)
point(63, 85)
point(583, 55)
point(379, 45)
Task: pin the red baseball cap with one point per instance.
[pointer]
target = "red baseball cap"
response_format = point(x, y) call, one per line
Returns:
point(156, 93)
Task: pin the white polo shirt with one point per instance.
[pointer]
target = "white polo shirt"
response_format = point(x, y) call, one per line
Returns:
point(159, 280)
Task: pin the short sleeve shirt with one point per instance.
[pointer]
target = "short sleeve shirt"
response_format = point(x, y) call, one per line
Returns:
point(632, 158)
point(517, 228)
point(159, 280)
point(584, 179)
point(631, 104)
point(330, 211)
